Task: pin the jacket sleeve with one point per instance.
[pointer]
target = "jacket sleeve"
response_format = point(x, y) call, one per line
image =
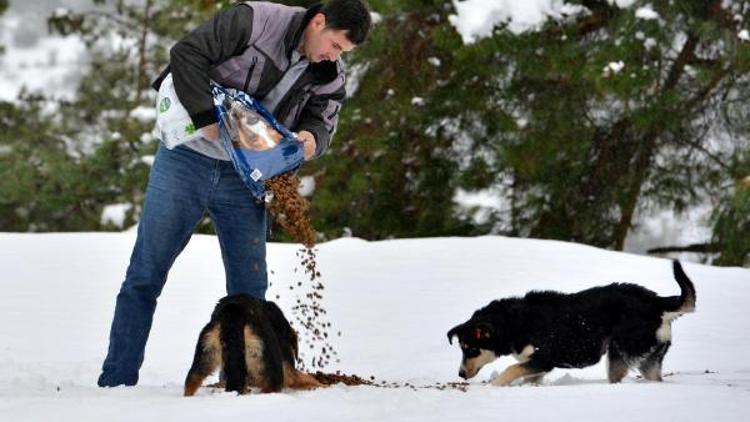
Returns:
point(320, 117)
point(191, 59)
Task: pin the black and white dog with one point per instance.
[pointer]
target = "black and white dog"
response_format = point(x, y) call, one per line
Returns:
point(547, 329)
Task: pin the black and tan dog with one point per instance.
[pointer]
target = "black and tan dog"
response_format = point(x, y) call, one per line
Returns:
point(253, 344)
point(546, 330)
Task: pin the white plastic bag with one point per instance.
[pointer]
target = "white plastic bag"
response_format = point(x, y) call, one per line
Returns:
point(173, 122)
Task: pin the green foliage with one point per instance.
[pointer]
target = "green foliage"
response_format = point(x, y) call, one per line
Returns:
point(579, 124)
point(79, 156)
point(576, 143)
point(391, 171)
point(44, 185)
point(3, 8)
point(732, 217)
point(732, 229)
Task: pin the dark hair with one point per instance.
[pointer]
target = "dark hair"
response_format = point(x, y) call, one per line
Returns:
point(350, 15)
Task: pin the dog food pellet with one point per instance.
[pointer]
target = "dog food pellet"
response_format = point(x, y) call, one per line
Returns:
point(289, 209)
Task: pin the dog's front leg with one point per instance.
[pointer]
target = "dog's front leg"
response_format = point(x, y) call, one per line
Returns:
point(514, 372)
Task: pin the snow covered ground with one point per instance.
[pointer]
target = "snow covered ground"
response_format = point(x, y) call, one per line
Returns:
point(392, 300)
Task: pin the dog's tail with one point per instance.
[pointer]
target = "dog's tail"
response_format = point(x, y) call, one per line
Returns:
point(685, 302)
point(233, 348)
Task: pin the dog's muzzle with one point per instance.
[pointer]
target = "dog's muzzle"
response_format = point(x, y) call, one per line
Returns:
point(469, 369)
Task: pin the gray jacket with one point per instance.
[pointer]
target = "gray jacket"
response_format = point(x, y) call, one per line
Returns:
point(248, 47)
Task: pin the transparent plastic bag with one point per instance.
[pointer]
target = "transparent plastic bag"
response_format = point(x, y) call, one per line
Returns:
point(257, 144)
point(248, 130)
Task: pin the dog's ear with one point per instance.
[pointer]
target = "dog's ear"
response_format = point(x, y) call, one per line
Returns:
point(454, 332)
point(482, 330)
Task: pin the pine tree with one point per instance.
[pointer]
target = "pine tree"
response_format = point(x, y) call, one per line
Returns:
point(580, 124)
point(599, 143)
point(392, 170)
point(731, 234)
point(94, 150)
point(100, 143)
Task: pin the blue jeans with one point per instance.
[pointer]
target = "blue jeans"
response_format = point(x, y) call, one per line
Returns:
point(183, 185)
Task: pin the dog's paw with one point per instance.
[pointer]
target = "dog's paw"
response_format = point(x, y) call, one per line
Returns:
point(505, 379)
point(499, 382)
point(497, 379)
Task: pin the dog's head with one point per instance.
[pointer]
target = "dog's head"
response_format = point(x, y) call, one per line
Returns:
point(476, 340)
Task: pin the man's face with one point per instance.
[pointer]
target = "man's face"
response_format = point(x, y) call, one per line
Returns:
point(323, 43)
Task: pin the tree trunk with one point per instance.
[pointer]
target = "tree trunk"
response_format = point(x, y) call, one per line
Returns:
point(141, 78)
point(647, 147)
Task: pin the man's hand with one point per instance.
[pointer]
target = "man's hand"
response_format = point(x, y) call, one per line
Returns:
point(210, 132)
point(308, 139)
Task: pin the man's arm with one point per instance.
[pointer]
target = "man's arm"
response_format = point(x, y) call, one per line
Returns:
point(191, 59)
point(320, 117)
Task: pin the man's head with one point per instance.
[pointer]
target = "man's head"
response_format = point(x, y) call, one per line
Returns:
point(340, 26)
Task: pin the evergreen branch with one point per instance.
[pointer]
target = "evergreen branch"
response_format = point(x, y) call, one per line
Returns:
point(141, 74)
point(705, 62)
point(713, 157)
point(647, 145)
point(599, 6)
point(687, 55)
point(695, 247)
point(708, 90)
point(600, 18)
point(592, 23)
point(111, 17)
